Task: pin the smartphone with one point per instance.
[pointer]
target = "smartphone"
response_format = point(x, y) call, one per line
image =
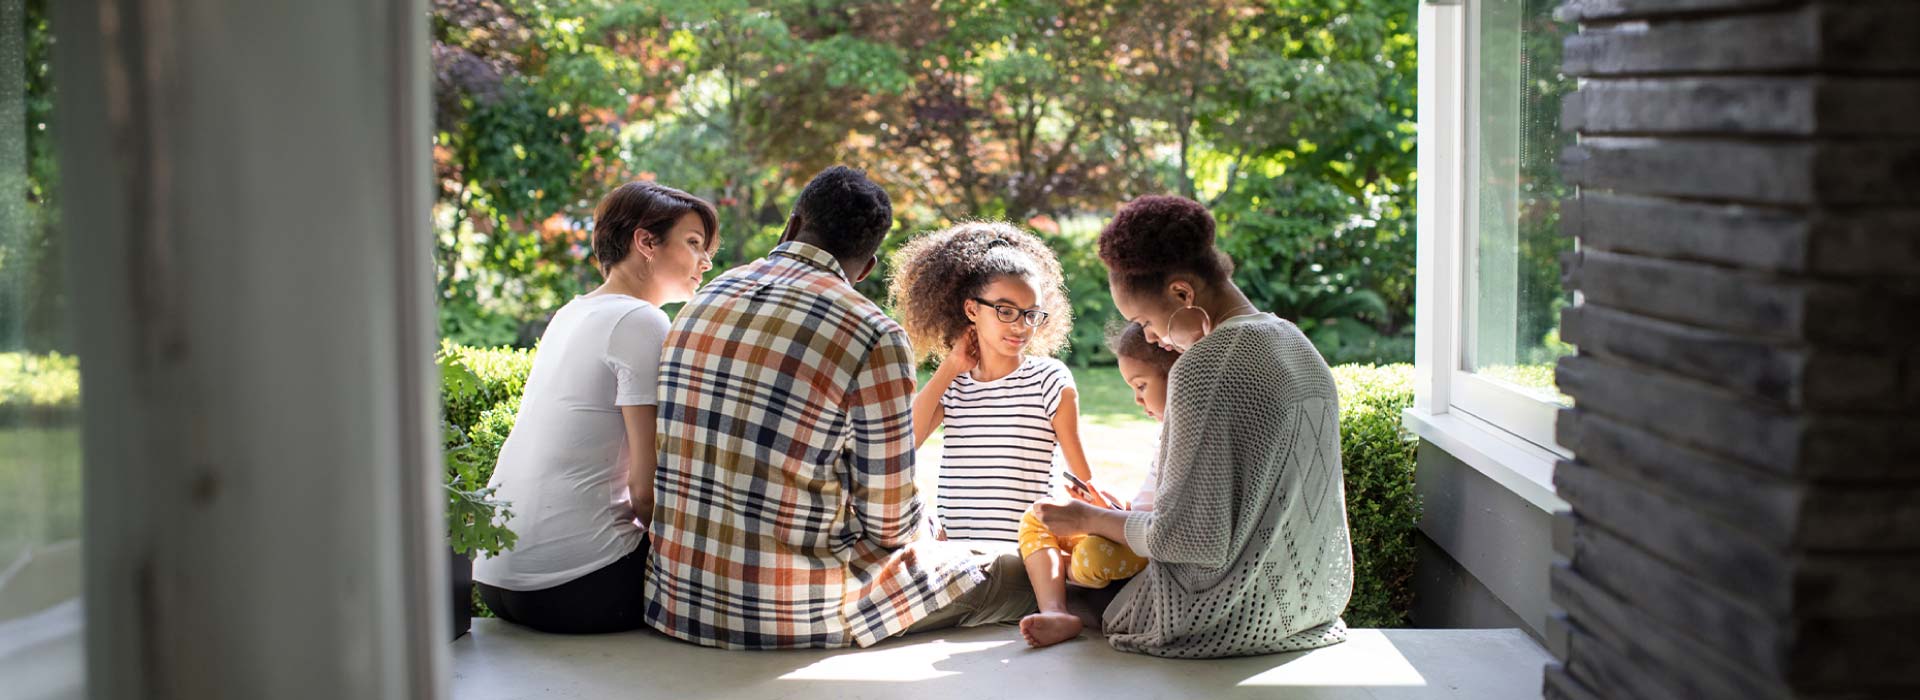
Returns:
point(1075, 481)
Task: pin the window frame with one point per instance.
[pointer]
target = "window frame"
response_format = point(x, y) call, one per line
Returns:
point(1494, 427)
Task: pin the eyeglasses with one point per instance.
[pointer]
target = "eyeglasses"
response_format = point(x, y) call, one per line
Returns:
point(1008, 314)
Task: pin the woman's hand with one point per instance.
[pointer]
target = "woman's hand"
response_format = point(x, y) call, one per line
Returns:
point(1065, 518)
point(642, 502)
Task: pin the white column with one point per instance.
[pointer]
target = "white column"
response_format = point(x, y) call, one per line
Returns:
point(246, 187)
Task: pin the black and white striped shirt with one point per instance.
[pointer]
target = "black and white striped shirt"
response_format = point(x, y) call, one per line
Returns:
point(997, 455)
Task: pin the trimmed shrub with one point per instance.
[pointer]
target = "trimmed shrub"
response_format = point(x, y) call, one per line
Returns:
point(479, 396)
point(489, 434)
point(498, 374)
point(1377, 455)
point(41, 382)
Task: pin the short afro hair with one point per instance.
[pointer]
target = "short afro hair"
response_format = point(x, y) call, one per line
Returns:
point(934, 276)
point(1155, 238)
point(844, 213)
point(1131, 342)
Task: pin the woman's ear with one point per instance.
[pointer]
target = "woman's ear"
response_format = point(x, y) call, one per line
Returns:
point(1182, 291)
point(644, 244)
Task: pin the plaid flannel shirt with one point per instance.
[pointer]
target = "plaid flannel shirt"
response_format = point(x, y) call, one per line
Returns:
point(786, 513)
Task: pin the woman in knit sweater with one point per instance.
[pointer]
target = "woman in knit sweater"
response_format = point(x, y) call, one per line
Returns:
point(1247, 543)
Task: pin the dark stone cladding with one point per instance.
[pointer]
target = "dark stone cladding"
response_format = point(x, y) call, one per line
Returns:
point(1745, 478)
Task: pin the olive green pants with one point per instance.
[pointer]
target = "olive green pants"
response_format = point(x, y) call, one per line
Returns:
point(1005, 596)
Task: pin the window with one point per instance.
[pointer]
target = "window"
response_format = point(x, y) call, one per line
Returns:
point(1490, 296)
point(1513, 226)
point(40, 503)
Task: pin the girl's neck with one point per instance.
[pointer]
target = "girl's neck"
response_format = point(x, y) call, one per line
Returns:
point(994, 366)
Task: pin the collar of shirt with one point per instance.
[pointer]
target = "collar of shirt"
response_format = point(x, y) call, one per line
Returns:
point(810, 254)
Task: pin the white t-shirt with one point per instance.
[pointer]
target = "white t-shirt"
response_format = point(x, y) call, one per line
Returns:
point(1144, 499)
point(563, 469)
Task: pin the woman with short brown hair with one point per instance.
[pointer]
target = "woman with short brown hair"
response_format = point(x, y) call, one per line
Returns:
point(578, 468)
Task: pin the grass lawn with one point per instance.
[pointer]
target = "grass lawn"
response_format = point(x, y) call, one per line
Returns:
point(39, 488)
point(1119, 438)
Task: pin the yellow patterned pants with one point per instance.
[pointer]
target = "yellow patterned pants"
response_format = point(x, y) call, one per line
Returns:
point(1092, 561)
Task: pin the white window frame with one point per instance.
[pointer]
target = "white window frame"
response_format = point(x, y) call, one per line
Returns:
point(1495, 428)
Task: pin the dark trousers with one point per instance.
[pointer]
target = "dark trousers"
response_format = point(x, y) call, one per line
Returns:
point(608, 600)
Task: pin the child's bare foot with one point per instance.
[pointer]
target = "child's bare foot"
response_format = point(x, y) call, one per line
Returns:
point(1049, 628)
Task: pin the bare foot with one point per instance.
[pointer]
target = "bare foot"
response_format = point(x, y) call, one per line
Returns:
point(1049, 628)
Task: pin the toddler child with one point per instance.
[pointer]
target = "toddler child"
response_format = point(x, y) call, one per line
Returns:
point(1093, 561)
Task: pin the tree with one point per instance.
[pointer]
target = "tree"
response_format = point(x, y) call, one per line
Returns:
point(1292, 119)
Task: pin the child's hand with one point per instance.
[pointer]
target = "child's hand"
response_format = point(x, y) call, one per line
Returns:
point(964, 355)
point(1097, 496)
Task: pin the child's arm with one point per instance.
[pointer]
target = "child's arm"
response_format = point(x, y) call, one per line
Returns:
point(1066, 429)
point(927, 411)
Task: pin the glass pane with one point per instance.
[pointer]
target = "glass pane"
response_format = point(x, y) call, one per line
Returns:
point(1513, 316)
point(40, 618)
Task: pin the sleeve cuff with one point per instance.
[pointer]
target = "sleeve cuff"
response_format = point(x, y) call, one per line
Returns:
point(1138, 522)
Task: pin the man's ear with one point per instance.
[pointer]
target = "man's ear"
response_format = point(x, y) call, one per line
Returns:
point(793, 228)
point(873, 261)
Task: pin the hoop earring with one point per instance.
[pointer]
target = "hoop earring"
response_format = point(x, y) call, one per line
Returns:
point(1173, 327)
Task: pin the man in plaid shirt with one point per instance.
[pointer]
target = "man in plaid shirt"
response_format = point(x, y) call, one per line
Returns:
point(786, 513)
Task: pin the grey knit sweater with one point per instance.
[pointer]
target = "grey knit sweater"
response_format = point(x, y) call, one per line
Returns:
point(1247, 541)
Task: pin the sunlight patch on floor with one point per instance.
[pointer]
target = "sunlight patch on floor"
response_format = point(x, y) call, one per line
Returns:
point(1366, 658)
point(899, 664)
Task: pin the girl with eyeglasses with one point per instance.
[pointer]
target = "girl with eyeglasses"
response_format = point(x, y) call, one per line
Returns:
point(988, 299)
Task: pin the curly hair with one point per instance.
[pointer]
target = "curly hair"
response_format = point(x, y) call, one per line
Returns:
point(934, 275)
point(1131, 342)
point(1155, 237)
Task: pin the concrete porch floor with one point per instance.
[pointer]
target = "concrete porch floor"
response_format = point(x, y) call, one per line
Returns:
point(500, 660)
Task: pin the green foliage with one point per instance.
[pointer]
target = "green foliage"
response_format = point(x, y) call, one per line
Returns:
point(1291, 118)
point(491, 376)
point(1383, 512)
point(32, 253)
point(43, 382)
point(480, 394)
point(1333, 262)
point(1086, 279)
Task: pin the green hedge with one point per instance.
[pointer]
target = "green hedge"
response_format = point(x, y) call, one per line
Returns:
point(44, 382)
point(480, 396)
point(1377, 455)
point(499, 374)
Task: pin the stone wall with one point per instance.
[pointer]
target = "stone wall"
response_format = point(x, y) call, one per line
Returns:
point(1746, 485)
